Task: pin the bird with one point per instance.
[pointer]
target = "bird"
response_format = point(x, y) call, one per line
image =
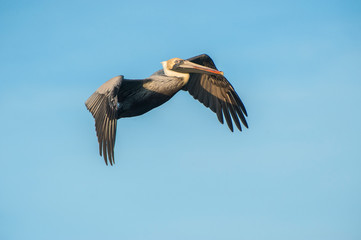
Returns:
point(122, 98)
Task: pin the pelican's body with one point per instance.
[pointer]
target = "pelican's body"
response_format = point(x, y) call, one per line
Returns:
point(151, 93)
point(119, 97)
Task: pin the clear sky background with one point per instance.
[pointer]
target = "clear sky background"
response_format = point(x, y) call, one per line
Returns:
point(180, 174)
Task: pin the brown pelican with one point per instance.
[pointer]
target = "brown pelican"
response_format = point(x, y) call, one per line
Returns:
point(120, 98)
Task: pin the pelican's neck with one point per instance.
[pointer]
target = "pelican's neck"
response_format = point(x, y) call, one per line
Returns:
point(168, 72)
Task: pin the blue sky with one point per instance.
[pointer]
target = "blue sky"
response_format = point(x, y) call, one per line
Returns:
point(179, 174)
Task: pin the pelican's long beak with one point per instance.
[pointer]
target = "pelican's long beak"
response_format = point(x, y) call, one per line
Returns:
point(189, 67)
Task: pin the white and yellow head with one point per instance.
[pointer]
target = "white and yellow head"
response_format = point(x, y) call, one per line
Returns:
point(181, 68)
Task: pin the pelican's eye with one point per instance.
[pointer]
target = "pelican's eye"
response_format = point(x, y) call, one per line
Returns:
point(178, 62)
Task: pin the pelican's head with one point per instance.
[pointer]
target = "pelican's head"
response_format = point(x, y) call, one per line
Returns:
point(184, 66)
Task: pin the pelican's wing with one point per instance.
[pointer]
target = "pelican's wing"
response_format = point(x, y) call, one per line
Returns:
point(216, 93)
point(103, 106)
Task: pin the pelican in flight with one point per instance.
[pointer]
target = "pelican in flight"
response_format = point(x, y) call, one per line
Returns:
point(121, 98)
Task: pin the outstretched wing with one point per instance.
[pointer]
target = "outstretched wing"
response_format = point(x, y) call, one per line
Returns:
point(103, 106)
point(216, 93)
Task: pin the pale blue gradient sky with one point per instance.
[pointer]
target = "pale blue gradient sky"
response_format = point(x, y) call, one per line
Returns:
point(179, 174)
